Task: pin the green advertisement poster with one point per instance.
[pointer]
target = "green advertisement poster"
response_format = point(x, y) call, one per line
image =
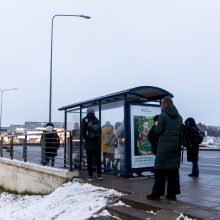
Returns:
point(141, 119)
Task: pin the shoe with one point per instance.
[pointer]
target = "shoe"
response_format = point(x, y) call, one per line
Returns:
point(171, 197)
point(90, 178)
point(153, 197)
point(193, 174)
point(100, 177)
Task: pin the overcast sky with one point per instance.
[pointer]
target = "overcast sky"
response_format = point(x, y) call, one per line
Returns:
point(170, 44)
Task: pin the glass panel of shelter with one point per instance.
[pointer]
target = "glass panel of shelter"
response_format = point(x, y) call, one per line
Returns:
point(73, 125)
point(112, 138)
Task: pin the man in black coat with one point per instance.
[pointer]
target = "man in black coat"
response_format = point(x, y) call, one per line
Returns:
point(50, 144)
point(91, 132)
point(167, 161)
point(193, 148)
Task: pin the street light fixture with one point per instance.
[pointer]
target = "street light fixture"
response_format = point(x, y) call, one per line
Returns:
point(2, 92)
point(51, 55)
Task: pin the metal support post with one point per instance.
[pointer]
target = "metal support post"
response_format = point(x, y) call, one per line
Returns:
point(1, 147)
point(25, 149)
point(71, 151)
point(11, 148)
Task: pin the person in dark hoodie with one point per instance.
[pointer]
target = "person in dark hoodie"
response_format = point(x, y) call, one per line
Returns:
point(167, 161)
point(91, 132)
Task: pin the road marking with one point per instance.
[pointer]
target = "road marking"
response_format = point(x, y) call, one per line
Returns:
point(209, 157)
point(204, 164)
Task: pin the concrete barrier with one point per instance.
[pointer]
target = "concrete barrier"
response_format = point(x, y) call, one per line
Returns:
point(31, 178)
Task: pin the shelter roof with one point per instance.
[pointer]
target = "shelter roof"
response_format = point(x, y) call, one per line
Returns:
point(137, 94)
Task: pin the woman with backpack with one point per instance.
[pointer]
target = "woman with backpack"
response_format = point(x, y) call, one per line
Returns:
point(193, 146)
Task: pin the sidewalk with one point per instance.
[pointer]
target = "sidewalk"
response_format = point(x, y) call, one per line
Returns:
point(200, 197)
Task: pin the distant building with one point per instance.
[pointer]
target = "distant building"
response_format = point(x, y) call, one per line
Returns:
point(33, 130)
point(16, 129)
point(31, 126)
point(40, 126)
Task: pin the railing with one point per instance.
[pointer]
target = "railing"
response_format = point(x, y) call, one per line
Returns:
point(40, 153)
point(70, 154)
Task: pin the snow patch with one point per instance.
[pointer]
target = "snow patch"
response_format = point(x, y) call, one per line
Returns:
point(182, 217)
point(73, 200)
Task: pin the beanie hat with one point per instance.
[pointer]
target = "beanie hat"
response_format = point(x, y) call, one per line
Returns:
point(90, 111)
point(50, 124)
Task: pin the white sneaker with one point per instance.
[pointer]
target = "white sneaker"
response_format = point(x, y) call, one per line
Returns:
point(90, 178)
point(100, 177)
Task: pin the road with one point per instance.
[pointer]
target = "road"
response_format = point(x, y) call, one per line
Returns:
point(209, 163)
point(34, 155)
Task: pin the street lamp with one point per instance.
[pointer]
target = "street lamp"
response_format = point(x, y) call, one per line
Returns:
point(51, 55)
point(2, 92)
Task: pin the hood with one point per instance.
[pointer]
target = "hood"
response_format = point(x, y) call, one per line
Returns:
point(190, 122)
point(107, 125)
point(171, 111)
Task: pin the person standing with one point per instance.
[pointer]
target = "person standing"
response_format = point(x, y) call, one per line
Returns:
point(167, 161)
point(91, 132)
point(153, 137)
point(193, 148)
point(106, 146)
point(51, 143)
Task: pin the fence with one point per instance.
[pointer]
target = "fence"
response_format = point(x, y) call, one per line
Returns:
point(45, 151)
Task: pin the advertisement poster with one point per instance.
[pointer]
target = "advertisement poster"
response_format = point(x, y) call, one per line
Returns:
point(141, 122)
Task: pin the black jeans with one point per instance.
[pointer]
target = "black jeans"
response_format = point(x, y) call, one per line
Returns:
point(52, 159)
point(94, 156)
point(173, 184)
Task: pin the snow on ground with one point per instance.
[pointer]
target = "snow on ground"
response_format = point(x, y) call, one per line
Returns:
point(73, 200)
point(212, 141)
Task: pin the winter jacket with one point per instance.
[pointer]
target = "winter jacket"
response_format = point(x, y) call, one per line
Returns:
point(169, 148)
point(153, 139)
point(90, 144)
point(107, 137)
point(52, 143)
point(193, 150)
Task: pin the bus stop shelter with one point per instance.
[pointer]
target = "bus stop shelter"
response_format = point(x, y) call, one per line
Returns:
point(130, 113)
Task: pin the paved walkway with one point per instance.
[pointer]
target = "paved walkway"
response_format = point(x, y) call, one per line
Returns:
point(200, 197)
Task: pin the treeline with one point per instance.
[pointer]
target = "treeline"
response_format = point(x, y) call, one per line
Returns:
point(213, 131)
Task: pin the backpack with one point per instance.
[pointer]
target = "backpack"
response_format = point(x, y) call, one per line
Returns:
point(198, 136)
point(191, 136)
point(93, 129)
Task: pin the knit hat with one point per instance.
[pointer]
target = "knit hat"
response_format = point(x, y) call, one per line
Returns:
point(90, 111)
point(49, 124)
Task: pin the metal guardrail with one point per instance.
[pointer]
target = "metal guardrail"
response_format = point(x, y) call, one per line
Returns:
point(39, 153)
point(70, 154)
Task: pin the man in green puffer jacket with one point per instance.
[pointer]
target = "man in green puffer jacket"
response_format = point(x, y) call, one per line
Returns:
point(167, 161)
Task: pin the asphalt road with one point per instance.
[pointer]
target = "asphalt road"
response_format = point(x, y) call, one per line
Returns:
point(209, 163)
point(34, 155)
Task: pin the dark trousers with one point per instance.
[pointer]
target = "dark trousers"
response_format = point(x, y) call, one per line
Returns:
point(173, 184)
point(94, 156)
point(48, 159)
point(195, 167)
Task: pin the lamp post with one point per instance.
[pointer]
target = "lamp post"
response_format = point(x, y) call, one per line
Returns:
point(2, 92)
point(51, 55)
